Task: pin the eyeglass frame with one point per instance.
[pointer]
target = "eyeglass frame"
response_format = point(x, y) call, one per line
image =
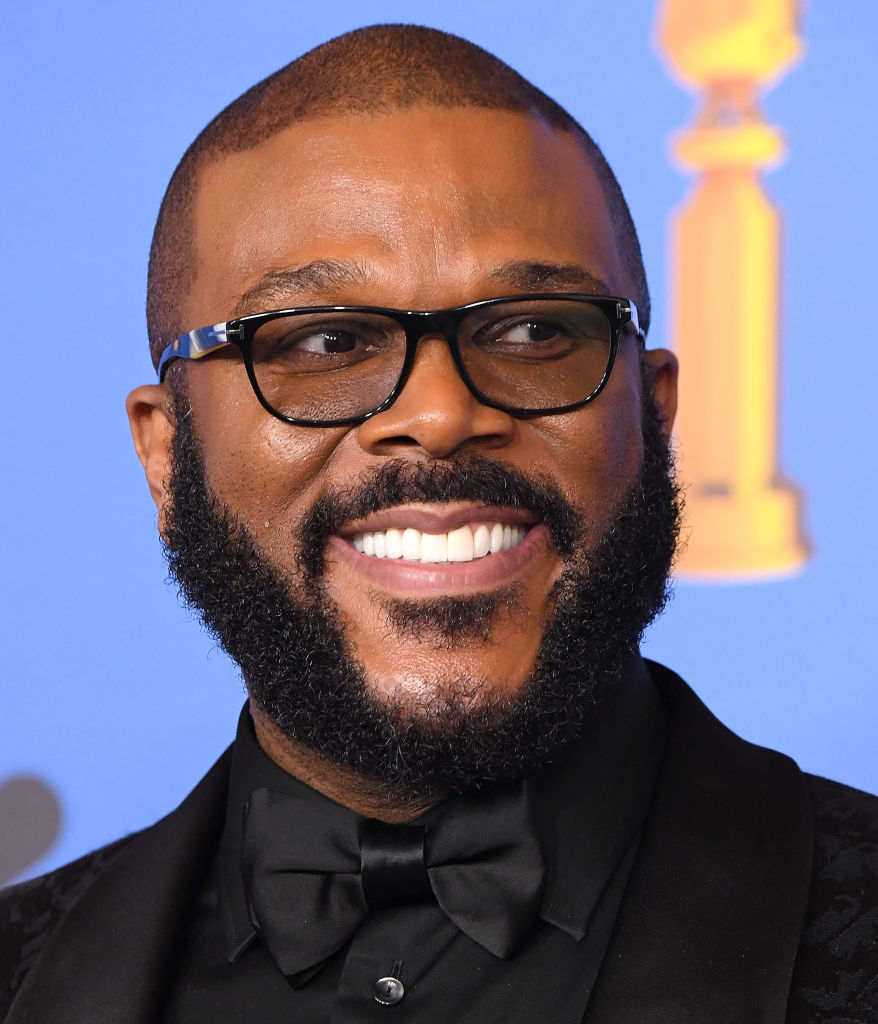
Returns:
point(416, 324)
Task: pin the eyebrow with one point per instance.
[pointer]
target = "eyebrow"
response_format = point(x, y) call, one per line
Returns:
point(279, 286)
point(526, 275)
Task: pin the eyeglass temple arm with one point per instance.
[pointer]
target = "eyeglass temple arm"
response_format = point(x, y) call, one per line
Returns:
point(628, 315)
point(195, 344)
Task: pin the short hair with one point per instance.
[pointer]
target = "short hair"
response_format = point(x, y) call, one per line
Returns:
point(370, 71)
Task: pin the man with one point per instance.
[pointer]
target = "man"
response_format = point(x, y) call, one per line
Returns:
point(410, 458)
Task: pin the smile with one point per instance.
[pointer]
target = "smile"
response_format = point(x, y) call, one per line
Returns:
point(465, 544)
point(426, 549)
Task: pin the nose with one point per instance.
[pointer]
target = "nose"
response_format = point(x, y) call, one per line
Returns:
point(436, 412)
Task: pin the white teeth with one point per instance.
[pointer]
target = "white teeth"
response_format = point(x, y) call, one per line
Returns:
point(496, 538)
point(434, 547)
point(411, 545)
point(481, 541)
point(461, 545)
point(393, 544)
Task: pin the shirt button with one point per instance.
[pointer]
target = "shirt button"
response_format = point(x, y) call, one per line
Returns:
point(388, 991)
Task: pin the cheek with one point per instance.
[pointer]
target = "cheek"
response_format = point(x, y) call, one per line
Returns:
point(265, 471)
point(596, 452)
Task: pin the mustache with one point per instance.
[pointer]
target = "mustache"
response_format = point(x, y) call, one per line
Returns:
point(468, 477)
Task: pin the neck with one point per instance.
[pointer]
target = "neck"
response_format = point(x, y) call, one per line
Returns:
point(345, 787)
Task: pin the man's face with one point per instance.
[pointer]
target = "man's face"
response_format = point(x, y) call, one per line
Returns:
point(420, 209)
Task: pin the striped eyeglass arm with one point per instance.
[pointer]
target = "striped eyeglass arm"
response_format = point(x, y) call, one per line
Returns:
point(194, 345)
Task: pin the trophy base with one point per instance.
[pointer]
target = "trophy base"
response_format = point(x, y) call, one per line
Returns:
point(734, 536)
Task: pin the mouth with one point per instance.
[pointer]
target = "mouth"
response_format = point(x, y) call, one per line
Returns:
point(465, 544)
point(434, 548)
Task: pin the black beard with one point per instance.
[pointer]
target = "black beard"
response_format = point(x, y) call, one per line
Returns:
point(300, 670)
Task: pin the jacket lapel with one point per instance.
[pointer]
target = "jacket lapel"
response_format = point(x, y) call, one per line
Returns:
point(109, 957)
point(713, 912)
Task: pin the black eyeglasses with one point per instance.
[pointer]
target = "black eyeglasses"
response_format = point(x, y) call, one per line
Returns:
point(333, 366)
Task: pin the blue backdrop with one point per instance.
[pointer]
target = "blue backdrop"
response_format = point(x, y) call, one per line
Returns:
point(111, 693)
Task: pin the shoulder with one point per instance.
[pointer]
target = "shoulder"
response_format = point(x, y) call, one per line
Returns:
point(836, 974)
point(66, 918)
point(845, 834)
point(30, 910)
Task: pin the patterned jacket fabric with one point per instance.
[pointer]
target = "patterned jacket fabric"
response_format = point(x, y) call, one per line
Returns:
point(836, 975)
point(30, 911)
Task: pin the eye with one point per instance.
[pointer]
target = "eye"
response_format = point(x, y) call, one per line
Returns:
point(528, 338)
point(312, 342)
point(529, 332)
point(328, 342)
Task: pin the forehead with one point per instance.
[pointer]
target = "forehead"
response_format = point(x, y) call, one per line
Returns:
point(425, 204)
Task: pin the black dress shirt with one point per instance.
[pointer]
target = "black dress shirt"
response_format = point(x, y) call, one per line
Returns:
point(590, 808)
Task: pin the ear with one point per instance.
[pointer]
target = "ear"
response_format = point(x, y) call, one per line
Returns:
point(152, 427)
point(661, 376)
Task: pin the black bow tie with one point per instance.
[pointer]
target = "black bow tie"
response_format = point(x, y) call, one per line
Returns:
point(311, 882)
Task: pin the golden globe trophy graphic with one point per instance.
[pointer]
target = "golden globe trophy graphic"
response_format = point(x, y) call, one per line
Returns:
point(743, 518)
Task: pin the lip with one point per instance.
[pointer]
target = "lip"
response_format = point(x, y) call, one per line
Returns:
point(438, 518)
point(429, 578)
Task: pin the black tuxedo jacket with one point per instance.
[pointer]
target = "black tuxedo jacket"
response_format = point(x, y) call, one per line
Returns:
point(753, 900)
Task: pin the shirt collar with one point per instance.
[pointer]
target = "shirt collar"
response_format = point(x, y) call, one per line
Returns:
point(591, 804)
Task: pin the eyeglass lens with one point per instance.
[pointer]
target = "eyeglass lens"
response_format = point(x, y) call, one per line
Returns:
point(536, 354)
